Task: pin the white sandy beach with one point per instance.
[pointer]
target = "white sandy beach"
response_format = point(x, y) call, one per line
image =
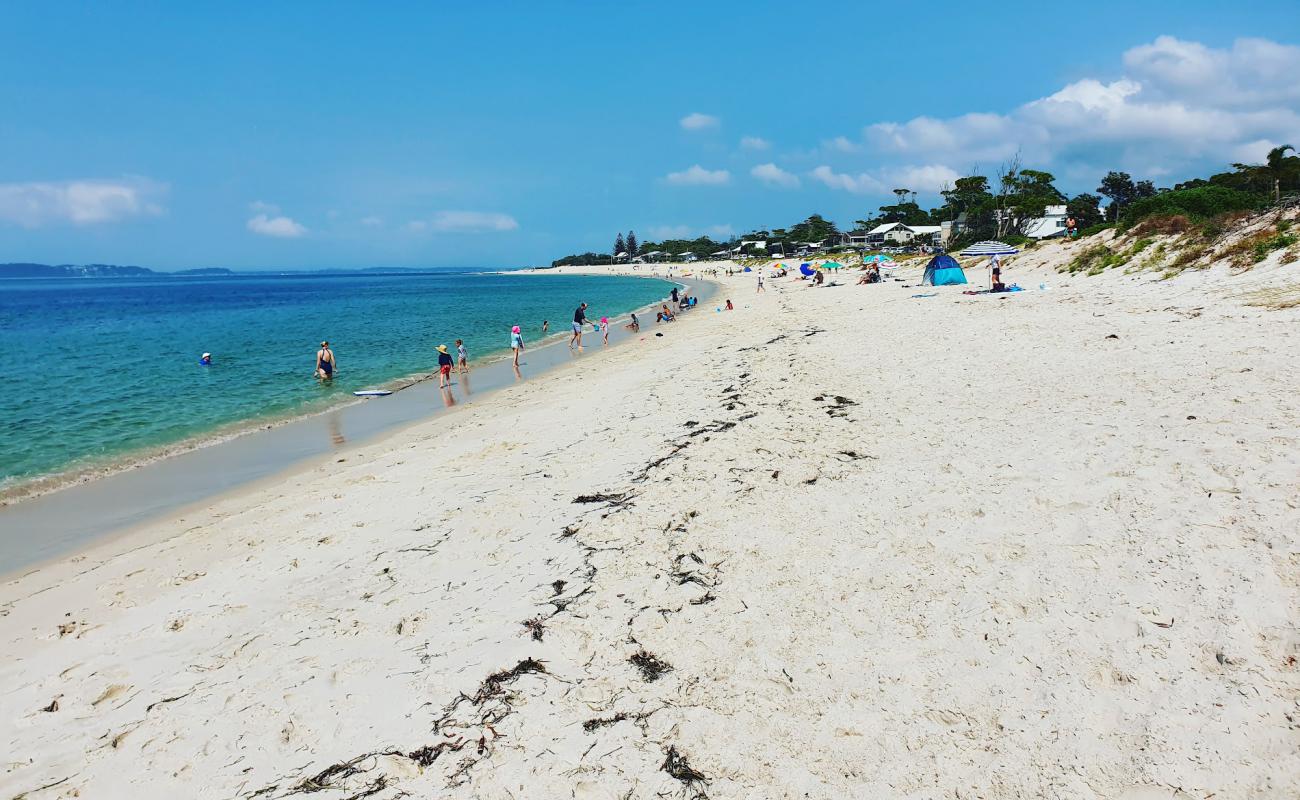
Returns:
point(1034, 545)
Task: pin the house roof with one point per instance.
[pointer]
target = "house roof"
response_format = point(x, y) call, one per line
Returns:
point(888, 226)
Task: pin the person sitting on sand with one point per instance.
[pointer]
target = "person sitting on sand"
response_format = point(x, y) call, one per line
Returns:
point(730, 307)
point(634, 325)
point(444, 366)
point(326, 364)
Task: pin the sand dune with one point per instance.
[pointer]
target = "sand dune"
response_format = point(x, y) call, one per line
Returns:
point(840, 542)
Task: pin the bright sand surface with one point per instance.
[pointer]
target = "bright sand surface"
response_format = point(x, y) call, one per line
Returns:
point(1039, 545)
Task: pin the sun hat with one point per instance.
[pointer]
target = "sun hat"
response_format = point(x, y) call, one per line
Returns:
point(325, 343)
point(515, 329)
point(603, 320)
point(207, 355)
point(442, 348)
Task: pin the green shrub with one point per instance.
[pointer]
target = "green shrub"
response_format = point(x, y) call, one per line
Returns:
point(1091, 260)
point(1278, 241)
point(1202, 202)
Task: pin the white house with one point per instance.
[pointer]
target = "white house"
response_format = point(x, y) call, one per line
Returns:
point(1052, 223)
point(897, 233)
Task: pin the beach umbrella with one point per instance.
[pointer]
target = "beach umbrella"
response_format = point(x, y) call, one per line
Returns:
point(804, 269)
point(989, 248)
point(832, 265)
point(877, 259)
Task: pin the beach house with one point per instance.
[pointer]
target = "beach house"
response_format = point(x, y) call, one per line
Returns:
point(897, 233)
point(1052, 223)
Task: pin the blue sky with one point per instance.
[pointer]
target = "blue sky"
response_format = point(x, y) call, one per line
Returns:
point(286, 134)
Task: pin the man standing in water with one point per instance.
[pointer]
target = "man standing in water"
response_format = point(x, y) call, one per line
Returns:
point(579, 319)
point(325, 363)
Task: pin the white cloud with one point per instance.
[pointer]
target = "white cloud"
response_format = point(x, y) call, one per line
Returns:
point(80, 202)
point(698, 122)
point(928, 178)
point(372, 222)
point(861, 183)
point(754, 143)
point(279, 227)
point(698, 176)
point(464, 221)
point(841, 145)
point(1178, 104)
point(773, 175)
point(922, 178)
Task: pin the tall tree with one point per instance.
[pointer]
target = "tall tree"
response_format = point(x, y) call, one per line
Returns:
point(619, 245)
point(631, 244)
point(814, 229)
point(1282, 169)
point(1085, 208)
point(1119, 187)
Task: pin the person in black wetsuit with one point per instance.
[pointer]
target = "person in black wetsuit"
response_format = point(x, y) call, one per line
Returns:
point(579, 319)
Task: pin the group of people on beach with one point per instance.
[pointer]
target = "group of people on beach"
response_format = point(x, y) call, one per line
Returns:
point(327, 362)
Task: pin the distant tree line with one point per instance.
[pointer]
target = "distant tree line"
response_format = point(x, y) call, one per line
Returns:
point(1004, 207)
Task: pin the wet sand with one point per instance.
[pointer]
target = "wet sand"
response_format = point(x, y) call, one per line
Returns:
point(57, 523)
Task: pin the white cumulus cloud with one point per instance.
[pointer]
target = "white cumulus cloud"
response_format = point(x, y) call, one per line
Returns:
point(862, 183)
point(928, 178)
point(1179, 105)
point(699, 176)
point(773, 175)
point(279, 227)
point(698, 122)
point(79, 202)
point(754, 143)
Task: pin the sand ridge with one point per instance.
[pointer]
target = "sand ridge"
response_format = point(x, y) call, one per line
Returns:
point(840, 542)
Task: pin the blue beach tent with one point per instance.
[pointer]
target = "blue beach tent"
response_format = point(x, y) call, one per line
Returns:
point(806, 270)
point(747, 269)
point(943, 270)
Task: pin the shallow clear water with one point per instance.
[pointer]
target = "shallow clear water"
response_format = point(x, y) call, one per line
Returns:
point(98, 369)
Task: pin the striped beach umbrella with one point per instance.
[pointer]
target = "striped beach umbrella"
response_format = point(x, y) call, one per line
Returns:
point(989, 248)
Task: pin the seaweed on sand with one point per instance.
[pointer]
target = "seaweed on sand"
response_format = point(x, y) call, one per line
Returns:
point(650, 665)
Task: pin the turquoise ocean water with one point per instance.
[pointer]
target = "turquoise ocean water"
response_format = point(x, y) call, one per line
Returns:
point(100, 370)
